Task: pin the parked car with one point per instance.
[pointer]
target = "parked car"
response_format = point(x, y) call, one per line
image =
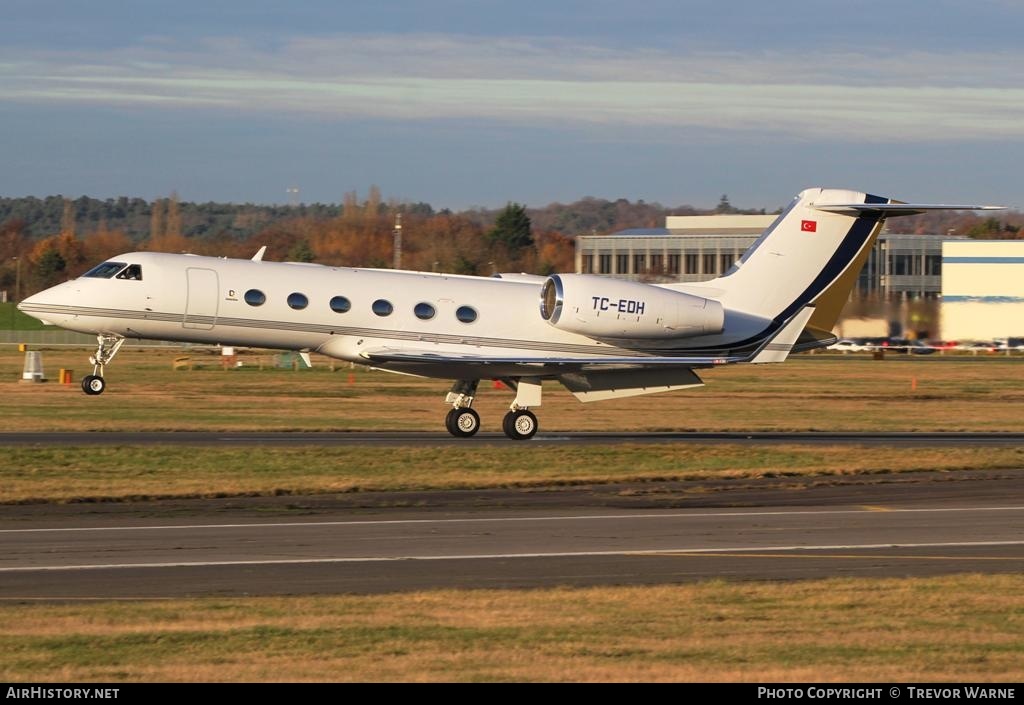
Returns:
point(985, 346)
point(848, 345)
point(911, 347)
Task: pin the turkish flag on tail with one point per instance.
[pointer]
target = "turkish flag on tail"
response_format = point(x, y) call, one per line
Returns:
point(809, 226)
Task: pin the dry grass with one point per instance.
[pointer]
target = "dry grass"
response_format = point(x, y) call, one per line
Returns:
point(966, 628)
point(823, 393)
point(112, 473)
point(807, 393)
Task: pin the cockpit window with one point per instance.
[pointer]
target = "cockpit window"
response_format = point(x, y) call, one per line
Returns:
point(105, 270)
point(132, 271)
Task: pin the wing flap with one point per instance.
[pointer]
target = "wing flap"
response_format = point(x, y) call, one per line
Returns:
point(614, 384)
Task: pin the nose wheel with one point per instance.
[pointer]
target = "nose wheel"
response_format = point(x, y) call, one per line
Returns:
point(93, 384)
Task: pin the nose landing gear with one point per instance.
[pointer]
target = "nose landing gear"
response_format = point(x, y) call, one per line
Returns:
point(107, 347)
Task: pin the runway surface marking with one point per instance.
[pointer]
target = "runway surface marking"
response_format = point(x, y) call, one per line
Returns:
point(506, 556)
point(493, 520)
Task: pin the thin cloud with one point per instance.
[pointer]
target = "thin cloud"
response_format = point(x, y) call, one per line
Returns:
point(871, 97)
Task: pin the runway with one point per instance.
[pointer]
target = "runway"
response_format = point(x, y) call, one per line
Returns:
point(608, 535)
point(440, 438)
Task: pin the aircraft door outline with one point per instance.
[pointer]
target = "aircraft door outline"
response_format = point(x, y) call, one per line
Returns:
point(202, 298)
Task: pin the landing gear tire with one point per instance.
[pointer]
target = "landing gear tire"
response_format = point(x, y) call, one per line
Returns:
point(107, 346)
point(462, 423)
point(519, 425)
point(93, 385)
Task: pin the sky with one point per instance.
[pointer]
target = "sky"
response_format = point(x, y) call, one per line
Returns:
point(464, 103)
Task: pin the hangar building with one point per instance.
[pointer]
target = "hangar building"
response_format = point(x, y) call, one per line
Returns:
point(983, 289)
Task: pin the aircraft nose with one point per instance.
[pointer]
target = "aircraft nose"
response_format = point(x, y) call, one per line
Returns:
point(28, 303)
point(46, 305)
point(33, 305)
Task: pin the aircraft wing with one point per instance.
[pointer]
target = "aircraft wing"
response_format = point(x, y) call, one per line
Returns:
point(537, 364)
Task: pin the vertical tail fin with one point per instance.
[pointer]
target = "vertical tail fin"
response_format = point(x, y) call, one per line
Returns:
point(808, 259)
point(812, 255)
point(808, 256)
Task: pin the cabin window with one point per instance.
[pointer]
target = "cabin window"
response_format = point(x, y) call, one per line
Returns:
point(424, 311)
point(132, 271)
point(105, 270)
point(255, 297)
point(298, 301)
point(382, 307)
point(339, 304)
point(466, 314)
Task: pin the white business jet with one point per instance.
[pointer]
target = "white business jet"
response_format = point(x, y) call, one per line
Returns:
point(601, 338)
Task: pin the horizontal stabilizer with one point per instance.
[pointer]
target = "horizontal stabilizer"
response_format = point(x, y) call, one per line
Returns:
point(894, 209)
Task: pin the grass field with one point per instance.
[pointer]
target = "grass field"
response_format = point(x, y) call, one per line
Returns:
point(960, 628)
point(13, 319)
point(32, 475)
point(820, 392)
point(145, 393)
point(816, 393)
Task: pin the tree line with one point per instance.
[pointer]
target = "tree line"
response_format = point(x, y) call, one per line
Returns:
point(42, 217)
point(45, 241)
point(48, 240)
point(359, 233)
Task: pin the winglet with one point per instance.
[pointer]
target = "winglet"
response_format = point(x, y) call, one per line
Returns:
point(258, 257)
point(777, 348)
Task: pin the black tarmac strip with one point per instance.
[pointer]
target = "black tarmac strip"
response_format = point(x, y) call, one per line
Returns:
point(440, 438)
point(618, 534)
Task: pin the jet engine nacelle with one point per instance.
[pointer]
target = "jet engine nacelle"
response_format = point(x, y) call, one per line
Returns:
point(599, 307)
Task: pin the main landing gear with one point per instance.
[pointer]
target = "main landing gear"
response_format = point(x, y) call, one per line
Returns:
point(519, 423)
point(107, 347)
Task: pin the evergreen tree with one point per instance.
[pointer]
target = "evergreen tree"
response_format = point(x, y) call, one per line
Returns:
point(512, 229)
point(301, 252)
point(50, 264)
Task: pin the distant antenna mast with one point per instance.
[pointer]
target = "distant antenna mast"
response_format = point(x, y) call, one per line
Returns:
point(293, 195)
point(398, 241)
